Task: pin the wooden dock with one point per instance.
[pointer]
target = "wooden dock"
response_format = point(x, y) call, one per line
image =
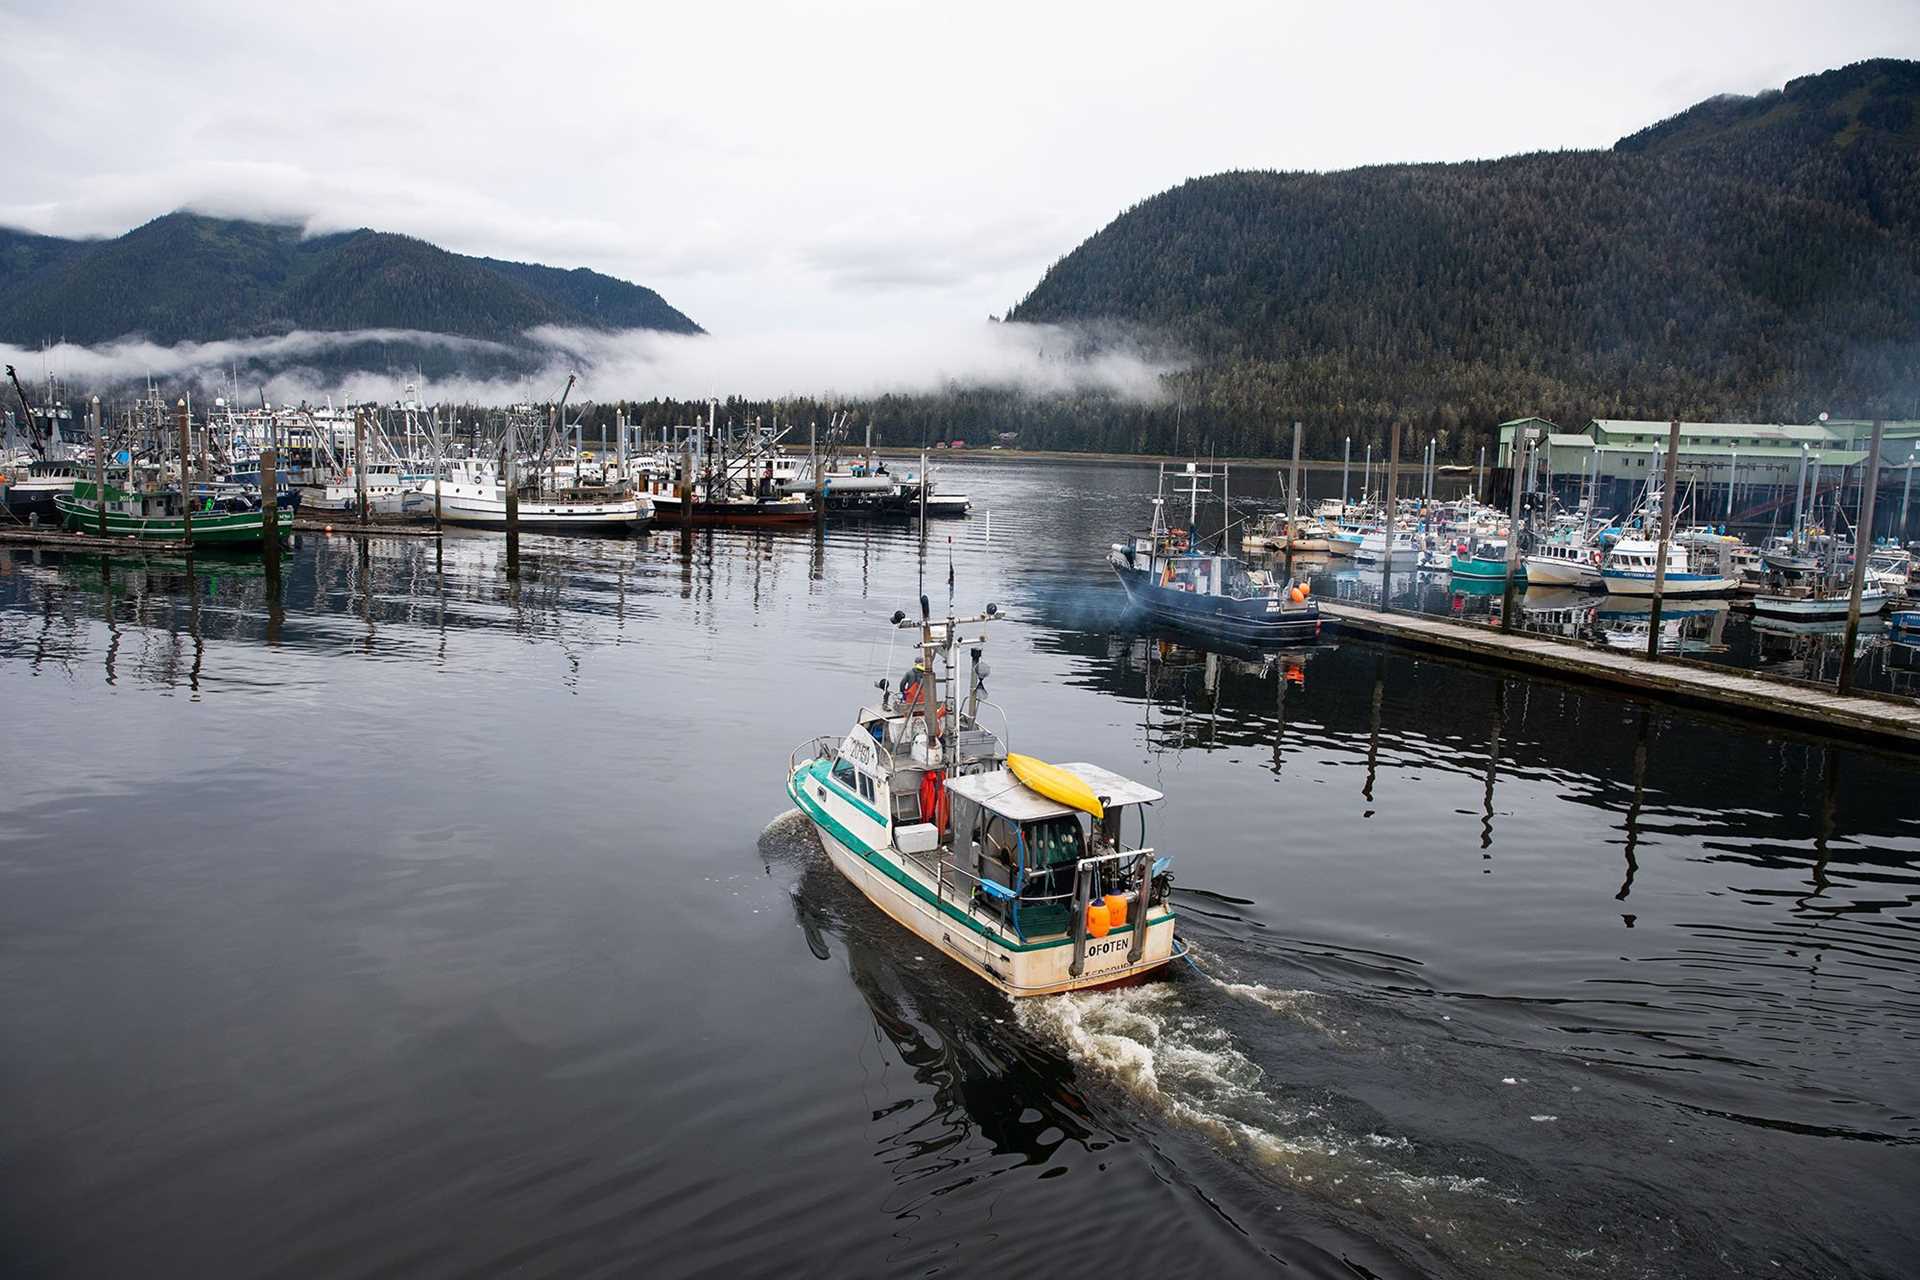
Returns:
point(61, 540)
point(1887, 720)
point(351, 528)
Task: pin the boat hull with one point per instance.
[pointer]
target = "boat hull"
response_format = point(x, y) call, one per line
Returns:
point(1491, 571)
point(1547, 572)
point(1016, 968)
point(1821, 609)
point(217, 528)
point(1621, 583)
point(1259, 620)
point(743, 514)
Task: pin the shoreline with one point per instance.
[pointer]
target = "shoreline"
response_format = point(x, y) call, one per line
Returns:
point(1137, 459)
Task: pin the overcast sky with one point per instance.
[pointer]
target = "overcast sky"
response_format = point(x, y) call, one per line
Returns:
point(851, 166)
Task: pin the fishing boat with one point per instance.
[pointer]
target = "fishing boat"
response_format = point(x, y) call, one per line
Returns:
point(1565, 559)
point(1631, 568)
point(1819, 605)
point(1373, 549)
point(1890, 568)
point(1344, 539)
point(1485, 558)
point(1018, 870)
point(159, 515)
point(1209, 592)
point(471, 494)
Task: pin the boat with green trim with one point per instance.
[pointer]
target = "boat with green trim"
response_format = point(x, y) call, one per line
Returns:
point(157, 515)
point(917, 807)
point(1486, 559)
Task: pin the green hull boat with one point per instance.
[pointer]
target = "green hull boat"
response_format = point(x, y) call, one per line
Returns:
point(157, 516)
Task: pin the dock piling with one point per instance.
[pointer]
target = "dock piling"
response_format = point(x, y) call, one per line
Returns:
point(186, 487)
point(99, 469)
point(1393, 518)
point(270, 507)
point(1522, 444)
point(1666, 539)
point(360, 464)
point(1862, 548)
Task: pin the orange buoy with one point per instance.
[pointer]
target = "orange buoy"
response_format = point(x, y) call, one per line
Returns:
point(1116, 906)
point(1297, 595)
point(1098, 923)
point(329, 529)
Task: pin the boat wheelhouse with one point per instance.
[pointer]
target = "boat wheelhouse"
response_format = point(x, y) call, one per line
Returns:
point(1021, 872)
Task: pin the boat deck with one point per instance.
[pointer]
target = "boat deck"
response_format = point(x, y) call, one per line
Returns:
point(1887, 720)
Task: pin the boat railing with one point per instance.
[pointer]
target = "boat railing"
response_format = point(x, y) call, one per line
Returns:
point(818, 747)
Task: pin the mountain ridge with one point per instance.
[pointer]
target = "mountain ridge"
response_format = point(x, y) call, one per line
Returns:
point(189, 277)
point(1757, 254)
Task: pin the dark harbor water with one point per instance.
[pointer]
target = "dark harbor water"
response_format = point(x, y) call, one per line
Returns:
point(412, 923)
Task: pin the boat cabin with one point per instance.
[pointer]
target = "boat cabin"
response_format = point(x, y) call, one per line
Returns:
point(1023, 851)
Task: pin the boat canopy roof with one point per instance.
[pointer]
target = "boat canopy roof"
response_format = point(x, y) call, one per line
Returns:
point(1004, 794)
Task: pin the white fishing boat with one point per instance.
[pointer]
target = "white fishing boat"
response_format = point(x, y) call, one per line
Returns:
point(1890, 568)
point(1018, 870)
point(1819, 606)
point(471, 494)
point(339, 490)
point(1373, 549)
point(1631, 568)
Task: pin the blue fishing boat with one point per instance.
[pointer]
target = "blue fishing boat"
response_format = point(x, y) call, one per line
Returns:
point(1207, 590)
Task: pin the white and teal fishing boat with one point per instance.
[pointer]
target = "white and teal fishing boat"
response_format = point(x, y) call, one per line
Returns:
point(1485, 558)
point(1018, 870)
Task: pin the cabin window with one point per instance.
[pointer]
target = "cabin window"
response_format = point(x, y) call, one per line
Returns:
point(866, 788)
point(843, 773)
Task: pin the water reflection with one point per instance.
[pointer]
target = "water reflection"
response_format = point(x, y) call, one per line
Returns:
point(505, 892)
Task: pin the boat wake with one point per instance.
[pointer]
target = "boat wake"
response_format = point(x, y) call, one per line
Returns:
point(1167, 1045)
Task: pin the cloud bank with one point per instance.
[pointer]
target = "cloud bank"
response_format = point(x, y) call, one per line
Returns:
point(1044, 360)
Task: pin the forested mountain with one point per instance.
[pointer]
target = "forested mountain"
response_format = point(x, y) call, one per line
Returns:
point(184, 277)
point(1751, 258)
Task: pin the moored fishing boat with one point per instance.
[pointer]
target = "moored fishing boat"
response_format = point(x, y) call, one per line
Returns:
point(158, 515)
point(1373, 549)
point(1485, 558)
point(1018, 870)
point(1631, 568)
point(471, 494)
point(1209, 591)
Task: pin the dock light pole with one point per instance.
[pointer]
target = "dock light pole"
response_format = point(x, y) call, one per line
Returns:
point(1480, 477)
point(1862, 545)
point(1366, 474)
point(1666, 539)
point(1346, 464)
point(1733, 469)
point(186, 490)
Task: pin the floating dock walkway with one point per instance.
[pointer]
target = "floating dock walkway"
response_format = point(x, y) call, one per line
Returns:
point(1887, 720)
point(350, 527)
point(61, 540)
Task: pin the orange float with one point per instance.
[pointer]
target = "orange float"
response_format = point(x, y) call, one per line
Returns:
point(1116, 910)
point(1098, 922)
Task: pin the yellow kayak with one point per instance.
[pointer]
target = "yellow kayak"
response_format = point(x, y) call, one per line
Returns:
point(1055, 783)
